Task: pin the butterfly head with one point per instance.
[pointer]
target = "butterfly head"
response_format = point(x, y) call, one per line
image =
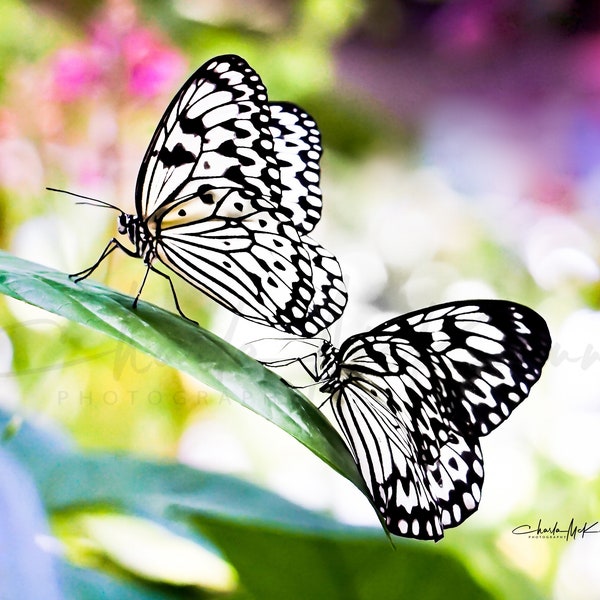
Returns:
point(129, 225)
point(123, 223)
point(327, 365)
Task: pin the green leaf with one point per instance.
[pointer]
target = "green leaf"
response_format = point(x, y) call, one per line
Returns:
point(278, 549)
point(357, 566)
point(182, 345)
point(171, 490)
point(69, 480)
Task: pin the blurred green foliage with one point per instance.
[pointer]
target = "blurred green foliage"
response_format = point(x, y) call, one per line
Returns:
point(275, 547)
point(183, 345)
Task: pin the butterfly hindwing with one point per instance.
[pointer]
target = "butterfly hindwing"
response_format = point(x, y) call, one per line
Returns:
point(254, 265)
point(417, 495)
point(387, 457)
point(456, 479)
point(414, 394)
point(329, 292)
point(297, 144)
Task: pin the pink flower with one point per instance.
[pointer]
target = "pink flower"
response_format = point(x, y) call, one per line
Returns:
point(116, 58)
point(75, 74)
point(152, 67)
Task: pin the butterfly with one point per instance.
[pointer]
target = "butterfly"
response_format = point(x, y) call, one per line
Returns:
point(226, 194)
point(413, 396)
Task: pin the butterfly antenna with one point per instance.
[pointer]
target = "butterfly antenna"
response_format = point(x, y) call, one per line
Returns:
point(308, 385)
point(282, 339)
point(89, 201)
point(264, 339)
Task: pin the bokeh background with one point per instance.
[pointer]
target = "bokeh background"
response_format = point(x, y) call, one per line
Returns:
point(462, 160)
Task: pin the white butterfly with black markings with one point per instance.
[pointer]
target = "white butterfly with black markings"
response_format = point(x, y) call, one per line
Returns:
point(414, 395)
point(225, 197)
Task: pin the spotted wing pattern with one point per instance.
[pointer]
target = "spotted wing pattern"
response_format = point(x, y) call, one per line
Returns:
point(214, 135)
point(413, 396)
point(330, 296)
point(254, 265)
point(228, 187)
point(297, 144)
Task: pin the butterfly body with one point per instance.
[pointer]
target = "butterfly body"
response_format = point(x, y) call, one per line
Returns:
point(226, 194)
point(413, 396)
point(139, 235)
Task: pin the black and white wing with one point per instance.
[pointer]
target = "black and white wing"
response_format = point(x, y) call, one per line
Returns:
point(257, 267)
point(214, 135)
point(330, 296)
point(416, 497)
point(415, 394)
point(297, 144)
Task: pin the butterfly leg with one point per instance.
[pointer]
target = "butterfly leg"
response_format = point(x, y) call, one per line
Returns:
point(284, 362)
point(313, 374)
point(155, 270)
point(110, 247)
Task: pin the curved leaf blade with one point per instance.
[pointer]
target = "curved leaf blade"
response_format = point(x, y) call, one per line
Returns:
point(182, 345)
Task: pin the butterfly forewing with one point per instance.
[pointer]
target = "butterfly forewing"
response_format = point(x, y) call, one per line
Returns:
point(489, 354)
point(413, 395)
point(214, 134)
point(297, 144)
